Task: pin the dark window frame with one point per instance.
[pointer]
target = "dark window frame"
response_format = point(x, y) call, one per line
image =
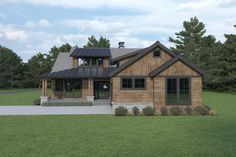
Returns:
point(178, 90)
point(133, 78)
point(91, 59)
point(155, 53)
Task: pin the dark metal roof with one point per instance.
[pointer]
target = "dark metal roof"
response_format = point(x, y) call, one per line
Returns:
point(142, 52)
point(80, 72)
point(91, 52)
point(174, 60)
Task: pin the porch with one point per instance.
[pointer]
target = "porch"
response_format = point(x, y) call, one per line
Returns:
point(72, 90)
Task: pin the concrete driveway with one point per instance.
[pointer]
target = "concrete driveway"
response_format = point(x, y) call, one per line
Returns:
point(39, 110)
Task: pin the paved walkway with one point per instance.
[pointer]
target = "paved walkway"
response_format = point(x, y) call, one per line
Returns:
point(38, 110)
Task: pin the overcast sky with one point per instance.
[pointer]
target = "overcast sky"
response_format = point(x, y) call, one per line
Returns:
point(32, 26)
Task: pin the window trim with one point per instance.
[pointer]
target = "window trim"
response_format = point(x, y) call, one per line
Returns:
point(178, 90)
point(133, 82)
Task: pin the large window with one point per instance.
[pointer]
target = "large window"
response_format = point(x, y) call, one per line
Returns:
point(73, 88)
point(59, 85)
point(178, 91)
point(133, 83)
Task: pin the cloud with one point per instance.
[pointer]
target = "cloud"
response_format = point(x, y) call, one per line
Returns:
point(40, 23)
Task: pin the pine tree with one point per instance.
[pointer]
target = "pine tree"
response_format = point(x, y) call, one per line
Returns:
point(94, 43)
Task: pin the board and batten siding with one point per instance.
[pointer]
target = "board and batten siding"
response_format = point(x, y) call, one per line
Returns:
point(145, 65)
point(142, 67)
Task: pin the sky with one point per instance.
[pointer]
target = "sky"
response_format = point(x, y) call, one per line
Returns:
point(31, 26)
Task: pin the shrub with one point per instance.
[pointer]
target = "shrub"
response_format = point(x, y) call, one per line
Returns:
point(176, 111)
point(212, 112)
point(200, 110)
point(164, 111)
point(188, 110)
point(148, 111)
point(121, 111)
point(36, 101)
point(207, 108)
point(135, 111)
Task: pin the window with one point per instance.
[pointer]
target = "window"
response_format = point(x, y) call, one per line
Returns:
point(178, 91)
point(59, 85)
point(73, 88)
point(100, 62)
point(94, 61)
point(91, 61)
point(139, 83)
point(157, 53)
point(133, 83)
point(127, 83)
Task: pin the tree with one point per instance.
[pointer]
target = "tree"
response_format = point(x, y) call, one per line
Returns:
point(94, 43)
point(11, 69)
point(189, 40)
point(36, 66)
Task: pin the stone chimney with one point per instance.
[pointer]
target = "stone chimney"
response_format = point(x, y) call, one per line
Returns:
point(121, 44)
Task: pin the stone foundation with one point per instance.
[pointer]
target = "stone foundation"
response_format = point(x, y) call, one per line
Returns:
point(43, 99)
point(90, 98)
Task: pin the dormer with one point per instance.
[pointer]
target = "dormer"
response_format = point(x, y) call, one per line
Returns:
point(93, 57)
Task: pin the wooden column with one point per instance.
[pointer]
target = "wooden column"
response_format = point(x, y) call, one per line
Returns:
point(90, 86)
point(44, 87)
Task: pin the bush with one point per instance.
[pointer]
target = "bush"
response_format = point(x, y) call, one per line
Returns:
point(121, 111)
point(207, 108)
point(148, 111)
point(188, 110)
point(36, 101)
point(176, 111)
point(200, 110)
point(164, 111)
point(135, 111)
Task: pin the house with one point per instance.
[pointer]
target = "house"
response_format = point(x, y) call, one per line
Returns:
point(152, 76)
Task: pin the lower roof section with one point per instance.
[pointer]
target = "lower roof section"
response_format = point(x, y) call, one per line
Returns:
point(80, 72)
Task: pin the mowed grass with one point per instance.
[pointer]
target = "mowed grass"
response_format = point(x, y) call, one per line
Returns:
point(15, 97)
point(108, 136)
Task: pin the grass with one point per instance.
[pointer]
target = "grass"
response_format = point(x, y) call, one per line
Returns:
point(19, 96)
point(108, 136)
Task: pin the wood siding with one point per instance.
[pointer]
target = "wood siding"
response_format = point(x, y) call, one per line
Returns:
point(159, 92)
point(146, 64)
point(129, 96)
point(178, 69)
point(196, 91)
point(106, 62)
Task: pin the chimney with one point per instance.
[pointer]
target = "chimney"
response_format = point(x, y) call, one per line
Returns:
point(121, 44)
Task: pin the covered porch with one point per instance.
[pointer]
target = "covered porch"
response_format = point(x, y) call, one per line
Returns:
point(82, 84)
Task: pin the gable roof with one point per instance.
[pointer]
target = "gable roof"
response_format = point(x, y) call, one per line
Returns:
point(80, 72)
point(62, 62)
point(174, 60)
point(141, 53)
point(91, 52)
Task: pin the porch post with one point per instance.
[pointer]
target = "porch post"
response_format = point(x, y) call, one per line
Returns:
point(90, 96)
point(44, 97)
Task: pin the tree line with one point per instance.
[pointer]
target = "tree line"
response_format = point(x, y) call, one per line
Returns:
point(217, 59)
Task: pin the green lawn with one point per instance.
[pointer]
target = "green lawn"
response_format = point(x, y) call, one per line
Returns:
point(18, 96)
point(108, 136)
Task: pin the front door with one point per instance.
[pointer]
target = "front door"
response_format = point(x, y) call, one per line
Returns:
point(101, 89)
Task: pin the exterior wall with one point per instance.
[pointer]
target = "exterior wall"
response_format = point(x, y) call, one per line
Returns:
point(124, 60)
point(105, 62)
point(159, 92)
point(74, 62)
point(146, 64)
point(131, 96)
point(196, 83)
point(178, 69)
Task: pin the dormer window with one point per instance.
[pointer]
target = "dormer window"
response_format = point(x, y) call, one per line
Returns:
point(94, 61)
point(157, 53)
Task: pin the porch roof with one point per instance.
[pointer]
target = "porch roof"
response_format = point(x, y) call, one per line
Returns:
point(80, 72)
